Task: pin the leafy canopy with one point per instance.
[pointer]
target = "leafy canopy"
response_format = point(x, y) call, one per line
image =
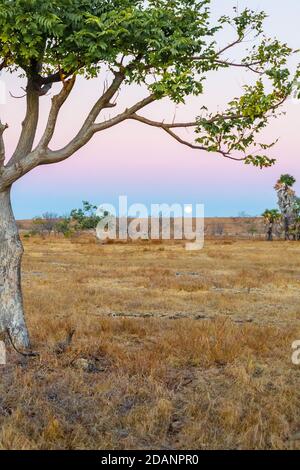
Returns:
point(287, 180)
point(271, 215)
point(82, 35)
point(87, 217)
point(167, 45)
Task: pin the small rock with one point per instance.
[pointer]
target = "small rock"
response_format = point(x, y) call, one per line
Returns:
point(243, 320)
point(201, 316)
point(178, 316)
point(187, 274)
point(87, 366)
point(258, 372)
point(82, 364)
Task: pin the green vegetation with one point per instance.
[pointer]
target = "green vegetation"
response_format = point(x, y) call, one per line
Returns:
point(271, 217)
point(287, 180)
point(85, 218)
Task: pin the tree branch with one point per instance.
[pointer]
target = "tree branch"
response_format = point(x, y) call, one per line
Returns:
point(228, 63)
point(246, 65)
point(3, 128)
point(3, 64)
point(172, 125)
point(57, 103)
point(54, 78)
point(229, 46)
point(167, 128)
point(89, 129)
point(59, 100)
point(104, 100)
point(42, 155)
point(216, 58)
point(29, 125)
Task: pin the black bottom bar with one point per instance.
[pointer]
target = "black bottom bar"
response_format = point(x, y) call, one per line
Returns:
point(136, 459)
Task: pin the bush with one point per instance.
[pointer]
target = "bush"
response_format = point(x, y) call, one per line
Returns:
point(85, 218)
point(64, 227)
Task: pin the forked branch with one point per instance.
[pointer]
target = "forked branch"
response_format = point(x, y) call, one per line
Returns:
point(167, 128)
point(59, 100)
point(3, 128)
point(90, 128)
point(29, 125)
point(57, 103)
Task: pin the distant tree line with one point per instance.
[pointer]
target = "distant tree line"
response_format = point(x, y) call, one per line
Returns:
point(284, 221)
point(84, 218)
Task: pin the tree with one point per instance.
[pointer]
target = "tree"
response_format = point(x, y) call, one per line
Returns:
point(85, 218)
point(46, 223)
point(63, 226)
point(294, 229)
point(244, 215)
point(271, 217)
point(168, 47)
point(287, 202)
point(252, 230)
point(218, 229)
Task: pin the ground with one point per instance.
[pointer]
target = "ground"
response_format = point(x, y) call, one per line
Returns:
point(172, 350)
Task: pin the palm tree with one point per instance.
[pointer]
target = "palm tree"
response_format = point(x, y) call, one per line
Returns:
point(295, 230)
point(286, 201)
point(271, 217)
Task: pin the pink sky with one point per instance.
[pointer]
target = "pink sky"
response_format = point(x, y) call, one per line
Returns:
point(147, 165)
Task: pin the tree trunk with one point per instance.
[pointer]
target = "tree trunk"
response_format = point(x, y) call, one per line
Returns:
point(11, 250)
point(286, 228)
point(286, 202)
point(270, 232)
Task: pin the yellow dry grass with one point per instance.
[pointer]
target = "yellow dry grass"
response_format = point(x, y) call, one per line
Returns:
point(181, 350)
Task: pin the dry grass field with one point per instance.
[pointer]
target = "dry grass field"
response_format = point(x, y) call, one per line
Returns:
point(172, 350)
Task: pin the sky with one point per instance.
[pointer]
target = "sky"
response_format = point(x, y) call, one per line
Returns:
point(144, 163)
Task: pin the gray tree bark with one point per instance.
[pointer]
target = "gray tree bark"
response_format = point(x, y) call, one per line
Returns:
point(270, 231)
point(12, 317)
point(286, 203)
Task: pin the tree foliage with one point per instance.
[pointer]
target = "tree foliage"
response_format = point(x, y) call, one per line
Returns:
point(85, 218)
point(168, 46)
point(271, 218)
point(271, 215)
point(45, 224)
point(287, 180)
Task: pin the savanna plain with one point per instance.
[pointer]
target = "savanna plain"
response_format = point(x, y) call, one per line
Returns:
point(173, 349)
